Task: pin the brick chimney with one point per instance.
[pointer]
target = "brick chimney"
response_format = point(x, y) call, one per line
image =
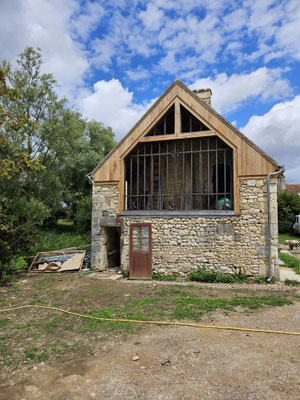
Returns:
point(204, 94)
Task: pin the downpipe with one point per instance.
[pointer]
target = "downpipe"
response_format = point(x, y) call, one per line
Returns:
point(270, 277)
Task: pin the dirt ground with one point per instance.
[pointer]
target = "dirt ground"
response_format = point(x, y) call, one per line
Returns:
point(173, 362)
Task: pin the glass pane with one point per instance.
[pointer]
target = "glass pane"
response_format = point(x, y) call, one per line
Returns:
point(145, 232)
point(136, 238)
point(144, 245)
point(135, 232)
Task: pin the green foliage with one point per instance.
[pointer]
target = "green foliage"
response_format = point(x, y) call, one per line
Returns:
point(16, 263)
point(46, 151)
point(68, 146)
point(211, 276)
point(83, 214)
point(263, 281)
point(160, 277)
point(59, 237)
point(125, 273)
point(288, 208)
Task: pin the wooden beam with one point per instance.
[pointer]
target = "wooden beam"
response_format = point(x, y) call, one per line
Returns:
point(177, 117)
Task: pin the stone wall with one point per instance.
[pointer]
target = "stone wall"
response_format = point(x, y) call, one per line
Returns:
point(231, 244)
point(105, 200)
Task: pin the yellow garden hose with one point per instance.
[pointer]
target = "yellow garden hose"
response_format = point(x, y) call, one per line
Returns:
point(150, 322)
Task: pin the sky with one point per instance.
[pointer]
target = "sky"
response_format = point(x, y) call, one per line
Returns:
point(113, 58)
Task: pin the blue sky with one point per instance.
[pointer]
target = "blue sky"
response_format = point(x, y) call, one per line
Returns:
point(113, 58)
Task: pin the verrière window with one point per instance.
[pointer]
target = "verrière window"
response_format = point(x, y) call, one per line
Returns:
point(186, 174)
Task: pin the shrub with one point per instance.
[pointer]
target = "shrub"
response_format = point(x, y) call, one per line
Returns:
point(125, 273)
point(17, 263)
point(206, 275)
point(288, 208)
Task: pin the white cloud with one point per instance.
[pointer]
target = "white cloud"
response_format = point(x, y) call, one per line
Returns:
point(230, 91)
point(87, 20)
point(138, 74)
point(113, 105)
point(277, 132)
point(45, 24)
point(152, 17)
point(278, 31)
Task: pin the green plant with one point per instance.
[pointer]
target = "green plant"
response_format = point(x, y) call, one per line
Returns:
point(125, 273)
point(263, 281)
point(205, 275)
point(291, 282)
point(160, 277)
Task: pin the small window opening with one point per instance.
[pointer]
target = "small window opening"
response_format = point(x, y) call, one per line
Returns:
point(165, 125)
point(189, 123)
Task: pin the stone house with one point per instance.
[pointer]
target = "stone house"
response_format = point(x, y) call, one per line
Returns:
point(293, 188)
point(185, 188)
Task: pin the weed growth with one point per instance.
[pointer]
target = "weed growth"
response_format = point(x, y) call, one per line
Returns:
point(205, 275)
point(160, 277)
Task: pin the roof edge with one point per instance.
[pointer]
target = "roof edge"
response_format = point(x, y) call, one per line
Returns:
point(177, 81)
point(208, 107)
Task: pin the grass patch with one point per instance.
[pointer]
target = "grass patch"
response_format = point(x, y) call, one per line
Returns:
point(61, 236)
point(290, 262)
point(34, 353)
point(59, 349)
point(211, 276)
point(282, 237)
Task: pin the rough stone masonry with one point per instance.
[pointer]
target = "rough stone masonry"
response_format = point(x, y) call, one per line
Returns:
point(180, 244)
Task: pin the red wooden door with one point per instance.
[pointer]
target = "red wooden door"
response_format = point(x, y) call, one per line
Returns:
point(140, 251)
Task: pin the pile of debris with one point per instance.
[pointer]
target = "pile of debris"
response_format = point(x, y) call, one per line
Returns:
point(61, 261)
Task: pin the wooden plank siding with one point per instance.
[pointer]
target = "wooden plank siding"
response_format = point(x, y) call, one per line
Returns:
point(248, 161)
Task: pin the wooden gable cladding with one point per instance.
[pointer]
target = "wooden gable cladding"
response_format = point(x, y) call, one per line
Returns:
point(249, 161)
point(110, 170)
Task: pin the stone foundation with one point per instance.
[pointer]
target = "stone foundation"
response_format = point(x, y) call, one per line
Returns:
point(231, 244)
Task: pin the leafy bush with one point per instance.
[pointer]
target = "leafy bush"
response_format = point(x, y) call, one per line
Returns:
point(206, 275)
point(125, 273)
point(17, 263)
point(288, 208)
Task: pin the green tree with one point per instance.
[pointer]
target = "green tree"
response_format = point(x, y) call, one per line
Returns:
point(68, 146)
point(19, 214)
point(288, 208)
